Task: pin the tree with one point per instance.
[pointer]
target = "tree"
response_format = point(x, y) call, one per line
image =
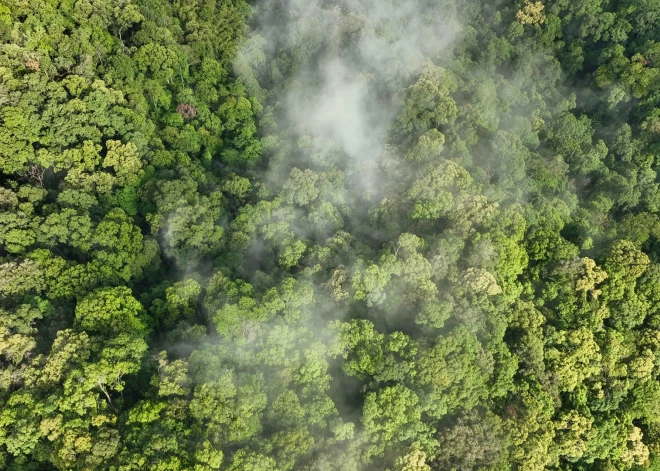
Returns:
point(453, 373)
point(229, 410)
point(187, 221)
point(392, 415)
point(300, 187)
point(433, 195)
point(20, 278)
point(110, 311)
point(572, 357)
point(427, 104)
point(474, 439)
point(124, 160)
point(572, 138)
point(180, 301)
point(531, 13)
point(119, 251)
point(370, 354)
point(415, 460)
point(250, 461)
point(479, 281)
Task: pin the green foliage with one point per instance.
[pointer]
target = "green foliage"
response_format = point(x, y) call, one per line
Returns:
point(110, 311)
point(336, 236)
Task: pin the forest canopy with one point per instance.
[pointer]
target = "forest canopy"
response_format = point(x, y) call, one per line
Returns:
point(330, 235)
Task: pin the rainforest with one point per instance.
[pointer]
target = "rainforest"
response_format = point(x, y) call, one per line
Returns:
point(330, 235)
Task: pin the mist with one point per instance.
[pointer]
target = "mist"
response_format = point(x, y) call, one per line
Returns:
point(338, 235)
point(346, 63)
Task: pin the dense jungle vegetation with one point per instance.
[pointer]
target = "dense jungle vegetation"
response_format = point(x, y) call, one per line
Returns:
point(329, 235)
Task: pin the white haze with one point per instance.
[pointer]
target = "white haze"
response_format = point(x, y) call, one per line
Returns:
point(346, 99)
